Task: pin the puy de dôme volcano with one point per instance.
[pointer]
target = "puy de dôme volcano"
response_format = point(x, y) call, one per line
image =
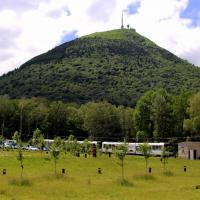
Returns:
point(117, 66)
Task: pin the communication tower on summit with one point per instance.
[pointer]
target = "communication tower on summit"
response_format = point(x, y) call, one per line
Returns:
point(122, 25)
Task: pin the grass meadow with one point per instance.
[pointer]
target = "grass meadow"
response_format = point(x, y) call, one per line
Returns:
point(82, 182)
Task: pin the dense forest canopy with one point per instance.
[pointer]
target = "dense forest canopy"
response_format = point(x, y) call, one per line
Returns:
point(157, 116)
point(117, 66)
point(105, 86)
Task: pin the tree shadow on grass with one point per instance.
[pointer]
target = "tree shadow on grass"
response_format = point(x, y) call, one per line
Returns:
point(124, 183)
point(60, 177)
point(147, 177)
point(19, 182)
point(47, 159)
point(2, 192)
point(168, 173)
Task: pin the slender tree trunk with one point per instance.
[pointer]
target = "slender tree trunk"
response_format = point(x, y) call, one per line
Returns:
point(164, 163)
point(22, 168)
point(122, 170)
point(36, 122)
point(2, 127)
point(2, 132)
point(55, 167)
point(146, 166)
point(29, 128)
point(21, 118)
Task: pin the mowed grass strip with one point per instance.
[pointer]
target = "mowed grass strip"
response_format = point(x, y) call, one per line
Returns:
point(81, 180)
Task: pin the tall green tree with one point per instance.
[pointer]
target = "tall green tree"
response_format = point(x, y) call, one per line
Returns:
point(162, 114)
point(23, 106)
point(141, 136)
point(180, 104)
point(55, 150)
point(86, 147)
point(38, 115)
point(120, 152)
point(75, 121)
point(1, 141)
point(57, 119)
point(5, 111)
point(126, 121)
point(20, 156)
point(72, 144)
point(193, 123)
point(38, 139)
point(164, 157)
point(143, 114)
point(101, 120)
point(145, 149)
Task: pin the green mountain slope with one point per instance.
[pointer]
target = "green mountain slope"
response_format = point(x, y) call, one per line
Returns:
point(118, 66)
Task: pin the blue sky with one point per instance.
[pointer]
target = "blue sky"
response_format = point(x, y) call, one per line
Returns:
point(30, 28)
point(192, 12)
point(133, 7)
point(68, 37)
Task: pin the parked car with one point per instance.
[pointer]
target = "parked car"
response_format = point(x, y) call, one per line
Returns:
point(45, 149)
point(10, 144)
point(24, 147)
point(33, 148)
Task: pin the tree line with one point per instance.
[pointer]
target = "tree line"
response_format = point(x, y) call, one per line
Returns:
point(157, 115)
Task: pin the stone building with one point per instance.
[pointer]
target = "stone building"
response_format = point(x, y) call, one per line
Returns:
point(190, 150)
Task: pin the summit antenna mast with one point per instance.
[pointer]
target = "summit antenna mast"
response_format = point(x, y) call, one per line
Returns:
point(122, 25)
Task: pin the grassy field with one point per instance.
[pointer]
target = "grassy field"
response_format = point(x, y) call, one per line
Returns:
point(82, 182)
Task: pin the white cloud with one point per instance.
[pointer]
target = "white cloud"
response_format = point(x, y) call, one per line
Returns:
point(29, 29)
point(101, 10)
point(165, 27)
point(20, 5)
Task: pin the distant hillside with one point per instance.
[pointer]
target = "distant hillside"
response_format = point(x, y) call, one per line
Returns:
point(117, 66)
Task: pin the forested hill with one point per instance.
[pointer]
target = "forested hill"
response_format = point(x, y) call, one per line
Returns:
point(117, 66)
